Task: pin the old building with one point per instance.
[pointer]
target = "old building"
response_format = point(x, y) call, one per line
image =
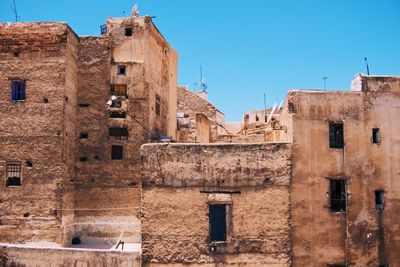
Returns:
point(314, 183)
point(71, 163)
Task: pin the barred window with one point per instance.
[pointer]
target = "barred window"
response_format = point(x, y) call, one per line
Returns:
point(13, 174)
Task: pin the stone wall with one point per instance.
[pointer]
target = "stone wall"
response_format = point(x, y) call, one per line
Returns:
point(190, 104)
point(180, 181)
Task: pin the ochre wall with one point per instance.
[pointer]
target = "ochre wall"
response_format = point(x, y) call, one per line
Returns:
point(321, 237)
point(180, 179)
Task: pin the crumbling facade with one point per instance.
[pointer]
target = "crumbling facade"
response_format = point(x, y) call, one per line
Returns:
point(313, 183)
point(64, 151)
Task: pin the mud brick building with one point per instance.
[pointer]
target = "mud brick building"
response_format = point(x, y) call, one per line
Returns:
point(86, 183)
point(71, 163)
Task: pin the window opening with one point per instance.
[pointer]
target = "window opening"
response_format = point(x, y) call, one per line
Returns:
point(379, 200)
point(121, 70)
point(116, 152)
point(18, 90)
point(103, 29)
point(116, 114)
point(82, 159)
point(29, 163)
point(217, 222)
point(83, 135)
point(336, 135)
point(257, 118)
point(118, 89)
point(83, 105)
point(158, 105)
point(16, 54)
point(128, 31)
point(338, 195)
point(13, 174)
point(376, 136)
point(118, 132)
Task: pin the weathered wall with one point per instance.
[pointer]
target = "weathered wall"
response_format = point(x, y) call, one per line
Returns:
point(190, 104)
point(59, 257)
point(179, 180)
point(106, 190)
point(36, 129)
point(321, 237)
point(202, 128)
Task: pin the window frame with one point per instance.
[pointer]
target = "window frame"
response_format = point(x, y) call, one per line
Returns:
point(376, 136)
point(338, 204)
point(18, 90)
point(336, 141)
point(211, 222)
point(119, 70)
point(12, 178)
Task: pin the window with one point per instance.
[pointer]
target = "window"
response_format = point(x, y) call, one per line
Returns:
point(217, 222)
point(376, 136)
point(13, 174)
point(17, 90)
point(83, 159)
point(118, 89)
point(121, 70)
point(257, 118)
point(83, 105)
point(338, 195)
point(116, 152)
point(336, 135)
point(118, 132)
point(117, 114)
point(128, 31)
point(158, 105)
point(379, 200)
point(83, 135)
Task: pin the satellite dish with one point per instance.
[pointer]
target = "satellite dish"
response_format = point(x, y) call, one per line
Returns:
point(135, 12)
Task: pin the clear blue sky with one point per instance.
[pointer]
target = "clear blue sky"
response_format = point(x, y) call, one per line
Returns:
point(253, 46)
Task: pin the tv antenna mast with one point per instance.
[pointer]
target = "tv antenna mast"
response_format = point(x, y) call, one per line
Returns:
point(14, 10)
point(325, 78)
point(366, 63)
point(202, 85)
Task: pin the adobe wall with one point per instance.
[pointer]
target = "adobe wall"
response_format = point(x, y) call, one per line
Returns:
point(106, 191)
point(179, 180)
point(32, 211)
point(355, 238)
point(58, 257)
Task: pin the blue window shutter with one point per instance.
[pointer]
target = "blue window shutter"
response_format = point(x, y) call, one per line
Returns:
point(22, 90)
point(13, 91)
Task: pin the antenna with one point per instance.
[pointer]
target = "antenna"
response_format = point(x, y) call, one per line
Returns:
point(325, 78)
point(366, 63)
point(265, 106)
point(135, 11)
point(14, 10)
point(203, 85)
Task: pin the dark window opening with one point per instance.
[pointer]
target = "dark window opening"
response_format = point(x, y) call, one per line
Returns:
point(16, 54)
point(29, 163)
point(83, 135)
point(158, 105)
point(17, 90)
point(118, 89)
point(338, 195)
point(82, 159)
point(116, 152)
point(379, 200)
point(336, 135)
point(116, 104)
point(376, 136)
point(116, 114)
point(83, 105)
point(118, 132)
point(128, 32)
point(217, 221)
point(257, 118)
point(121, 70)
point(13, 174)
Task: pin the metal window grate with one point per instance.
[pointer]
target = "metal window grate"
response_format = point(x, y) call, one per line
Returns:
point(13, 174)
point(338, 197)
point(18, 90)
point(336, 139)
